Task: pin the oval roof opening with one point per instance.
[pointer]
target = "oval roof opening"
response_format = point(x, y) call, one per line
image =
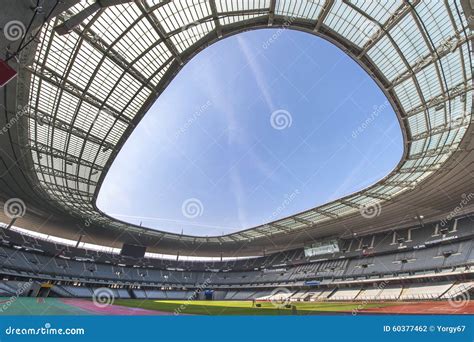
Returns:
point(256, 127)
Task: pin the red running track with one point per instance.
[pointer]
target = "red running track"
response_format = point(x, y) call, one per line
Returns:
point(426, 308)
point(111, 309)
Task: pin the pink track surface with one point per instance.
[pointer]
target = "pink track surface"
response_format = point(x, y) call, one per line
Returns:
point(426, 308)
point(111, 309)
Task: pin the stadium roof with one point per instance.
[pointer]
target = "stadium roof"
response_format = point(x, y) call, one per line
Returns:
point(84, 92)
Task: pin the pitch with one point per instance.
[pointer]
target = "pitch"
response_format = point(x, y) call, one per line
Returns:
point(203, 307)
point(139, 307)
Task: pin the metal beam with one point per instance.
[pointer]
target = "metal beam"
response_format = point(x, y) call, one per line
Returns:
point(114, 55)
point(401, 184)
point(421, 168)
point(382, 197)
point(450, 126)
point(246, 236)
point(350, 204)
point(73, 22)
point(449, 45)
point(391, 22)
point(43, 169)
point(325, 213)
point(306, 222)
point(271, 12)
point(324, 13)
point(458, 90)
point(215, 17)
point(445, 149)
point(280, 227)
point(52, 187)
point(52, 77)
point(69, 158)
point(154, 22)
point(42, 118)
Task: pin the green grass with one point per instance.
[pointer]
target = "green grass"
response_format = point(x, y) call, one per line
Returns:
point(201, 307)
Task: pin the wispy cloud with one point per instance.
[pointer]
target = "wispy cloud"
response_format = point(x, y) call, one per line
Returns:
point(257, 72)
point(239, 194)
point(223, 104)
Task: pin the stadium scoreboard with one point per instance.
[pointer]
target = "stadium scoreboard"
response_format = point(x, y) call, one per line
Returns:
point(322, 247)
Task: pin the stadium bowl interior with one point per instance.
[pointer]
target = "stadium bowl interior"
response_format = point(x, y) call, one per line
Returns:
point(114, 58)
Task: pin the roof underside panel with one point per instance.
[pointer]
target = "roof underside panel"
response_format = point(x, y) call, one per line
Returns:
point(88, 87)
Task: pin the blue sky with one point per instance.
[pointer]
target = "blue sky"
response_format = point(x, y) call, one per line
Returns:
point(256, 127)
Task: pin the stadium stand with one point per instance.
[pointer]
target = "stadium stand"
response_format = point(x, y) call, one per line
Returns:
point(390, 271)
point(390, 293)
point(345, 294)
point(425, 291)
point(458, 289)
